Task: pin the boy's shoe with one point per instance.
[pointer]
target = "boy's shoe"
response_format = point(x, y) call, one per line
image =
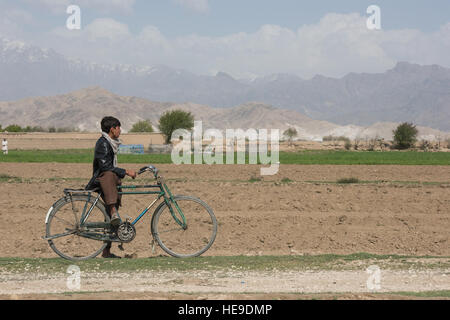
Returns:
point(115, 219)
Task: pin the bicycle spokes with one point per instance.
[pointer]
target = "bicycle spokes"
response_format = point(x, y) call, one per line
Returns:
point(68, 237)
point(187, 238)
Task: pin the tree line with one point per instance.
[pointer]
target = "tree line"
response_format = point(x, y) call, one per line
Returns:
point(17, 128)
point(168, 123)
point(404, 136)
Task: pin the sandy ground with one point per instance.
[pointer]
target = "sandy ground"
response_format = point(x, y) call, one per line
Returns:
point(224, 284)
point(154, 296)
point(260, 218)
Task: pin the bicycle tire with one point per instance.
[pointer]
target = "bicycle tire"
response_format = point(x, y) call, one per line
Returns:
point(201, 225)
point(59, 216)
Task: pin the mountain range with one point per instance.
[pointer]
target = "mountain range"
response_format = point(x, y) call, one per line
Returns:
point(408, 92)
point(83, 110)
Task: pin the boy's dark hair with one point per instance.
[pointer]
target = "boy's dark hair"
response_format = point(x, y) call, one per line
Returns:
point(108, 123)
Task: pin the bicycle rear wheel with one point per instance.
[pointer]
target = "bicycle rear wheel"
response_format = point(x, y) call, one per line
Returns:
point(190, 240)
point(63, 227)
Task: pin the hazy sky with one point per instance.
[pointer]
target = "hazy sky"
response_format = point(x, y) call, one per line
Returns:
point(245, 38)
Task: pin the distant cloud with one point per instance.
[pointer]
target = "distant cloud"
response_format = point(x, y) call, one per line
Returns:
point(104, 6)
point(201, 6)
point(334, 46)
point(106, 29)
point(98, 36)
point(12, 21)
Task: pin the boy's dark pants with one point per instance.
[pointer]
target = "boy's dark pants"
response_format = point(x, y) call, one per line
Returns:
point(109, 182)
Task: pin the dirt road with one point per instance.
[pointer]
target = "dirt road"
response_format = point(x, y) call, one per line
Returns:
point(226, 284)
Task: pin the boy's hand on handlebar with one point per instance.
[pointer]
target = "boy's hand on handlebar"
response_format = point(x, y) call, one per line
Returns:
point(131, 173)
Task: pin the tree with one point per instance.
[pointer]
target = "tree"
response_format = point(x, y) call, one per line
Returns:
point(173, 120)
point(290, 134)
point(405, 136)
point(142, 126)
point(348, 145)
point(13, 128)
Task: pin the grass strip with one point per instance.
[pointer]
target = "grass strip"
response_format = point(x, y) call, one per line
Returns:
point(424, 294)
point(393, 182)
point(5, 178)
point(357, 261)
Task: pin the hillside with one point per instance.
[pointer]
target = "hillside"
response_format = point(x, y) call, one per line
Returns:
point(83, 110)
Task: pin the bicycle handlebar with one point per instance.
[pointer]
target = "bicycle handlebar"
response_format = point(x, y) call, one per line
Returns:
point(148, 168)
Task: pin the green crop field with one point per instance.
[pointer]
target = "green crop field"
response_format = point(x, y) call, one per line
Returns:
point(304, 158)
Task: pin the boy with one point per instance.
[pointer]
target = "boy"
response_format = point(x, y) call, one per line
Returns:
point(5, 146)
point(106, 174)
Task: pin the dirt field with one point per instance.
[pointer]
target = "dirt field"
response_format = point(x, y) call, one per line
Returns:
point(263, 217)
point(394, 215)
point(70, 140)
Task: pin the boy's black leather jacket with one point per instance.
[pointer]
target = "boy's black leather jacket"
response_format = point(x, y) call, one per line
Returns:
point(103, 161)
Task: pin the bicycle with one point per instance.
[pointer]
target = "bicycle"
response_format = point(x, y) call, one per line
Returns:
point(77, 223)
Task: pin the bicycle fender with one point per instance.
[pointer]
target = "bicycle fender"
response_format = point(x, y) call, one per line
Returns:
point(154, 214)
point(48, 214)
point(51, 208)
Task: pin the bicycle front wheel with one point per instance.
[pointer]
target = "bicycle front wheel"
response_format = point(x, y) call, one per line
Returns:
point(184, 240)
point(63, 227)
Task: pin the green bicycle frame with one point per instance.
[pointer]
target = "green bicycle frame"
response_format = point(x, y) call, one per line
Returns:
point(162, 192)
